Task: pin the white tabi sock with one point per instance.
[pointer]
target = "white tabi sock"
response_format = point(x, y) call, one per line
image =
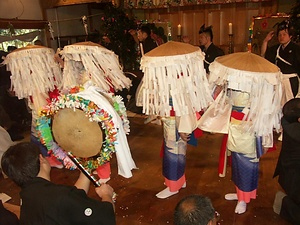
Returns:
point(231, 196)
point(241, 207)
point(166, 193)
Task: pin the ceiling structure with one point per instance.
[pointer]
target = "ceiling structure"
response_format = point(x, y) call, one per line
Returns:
point(46, 4)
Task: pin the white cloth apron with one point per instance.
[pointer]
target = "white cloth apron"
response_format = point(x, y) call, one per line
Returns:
point(124, 158)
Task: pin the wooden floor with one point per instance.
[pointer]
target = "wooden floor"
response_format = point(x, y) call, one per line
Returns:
point(136, 202)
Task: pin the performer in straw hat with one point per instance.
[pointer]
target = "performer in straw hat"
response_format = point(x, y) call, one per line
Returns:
point(35, 75)
point(60, 123)
point(174, 87)
point(253, 87)
point(91, 72)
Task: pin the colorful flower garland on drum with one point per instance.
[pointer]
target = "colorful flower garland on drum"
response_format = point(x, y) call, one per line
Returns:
point(95, 114)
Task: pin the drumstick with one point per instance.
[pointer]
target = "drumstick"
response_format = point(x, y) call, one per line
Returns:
point(87, 174)
point(83, 170)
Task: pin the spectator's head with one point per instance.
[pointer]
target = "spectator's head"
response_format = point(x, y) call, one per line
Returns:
point(21, 162)
point(291, 110)
point(205, 35)
point(194, 210)
point(38, 42)
point(144, 32)
point(2, 54)
point(284, 32)
point(11, 48)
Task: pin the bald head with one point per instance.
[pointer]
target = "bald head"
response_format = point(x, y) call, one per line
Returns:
point(194, 210)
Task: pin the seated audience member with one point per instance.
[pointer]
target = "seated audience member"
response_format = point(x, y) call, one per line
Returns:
point(194, 210)
point(44, 202)
point(7, 217)
point(287, 204)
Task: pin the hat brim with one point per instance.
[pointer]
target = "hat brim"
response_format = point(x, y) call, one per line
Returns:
point(247, 61)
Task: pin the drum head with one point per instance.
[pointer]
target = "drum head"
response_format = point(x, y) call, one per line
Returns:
point(74, 132)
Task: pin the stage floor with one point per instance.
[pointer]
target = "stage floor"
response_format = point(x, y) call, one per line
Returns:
point(136, 201)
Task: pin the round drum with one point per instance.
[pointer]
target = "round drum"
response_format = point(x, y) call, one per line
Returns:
point(74, 132)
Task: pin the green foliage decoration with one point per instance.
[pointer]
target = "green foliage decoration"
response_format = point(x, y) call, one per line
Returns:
point(295, 19)
point(116, 24)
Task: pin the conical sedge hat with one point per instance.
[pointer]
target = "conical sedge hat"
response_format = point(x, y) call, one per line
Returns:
point(247, 61)
point(172, 48)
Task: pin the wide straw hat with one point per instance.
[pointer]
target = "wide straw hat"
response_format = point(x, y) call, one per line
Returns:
point(247, 61)
point(28, 47)
point(91, 44)
point(74, 132)
point(174, 72)
point(33, 70)
point(172, 48)
point(244, 68)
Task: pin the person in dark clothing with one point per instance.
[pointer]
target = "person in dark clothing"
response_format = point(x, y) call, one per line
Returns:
point(286, 55)
point(15, 108)
point(7, 217)
point(287, 204)
point(11, 117)
point(207, 46)
point(44, 202)
point(4, 80)
point(144, 36)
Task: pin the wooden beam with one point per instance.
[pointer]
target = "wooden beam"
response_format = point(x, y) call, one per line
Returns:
point(23, 24)
point(57, 3)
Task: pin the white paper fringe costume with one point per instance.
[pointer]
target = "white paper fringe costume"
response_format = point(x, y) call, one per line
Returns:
point(175, 71)
point(247, 72)
point(100, 65)
point(33, 73)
